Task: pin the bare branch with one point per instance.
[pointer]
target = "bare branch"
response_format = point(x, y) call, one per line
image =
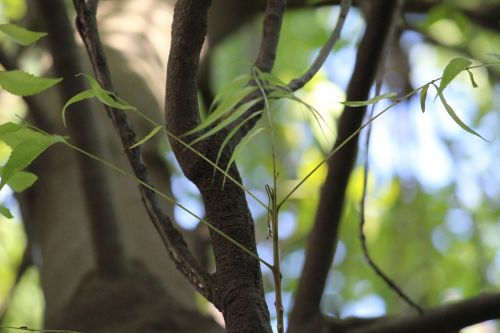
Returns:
point(325, 50)
point(323, 237)
point(270, 35)
point(172, 238)
point(445, 318)
point(238, 280)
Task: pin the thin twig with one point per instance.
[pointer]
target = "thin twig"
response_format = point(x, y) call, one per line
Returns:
point(171, 237)
point(378, 86)
point(325, 50)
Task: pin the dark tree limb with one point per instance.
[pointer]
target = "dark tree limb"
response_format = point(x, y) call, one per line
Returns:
point(323, 237)
point(86, 133)
point(171, 237)
point(238, 286)
point(270, 35)
point(484, 15)
point(445, 318)
point(325, 50)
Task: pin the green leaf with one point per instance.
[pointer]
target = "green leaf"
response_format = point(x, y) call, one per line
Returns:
point(107, 97)
point(232, 133)
point(24, 84)
point(22, 180)
point(5, 212)
point(454, 116)
point(423, 97)
point(77, 98)
point(235, 85)
point(21, 35)
point(147, 137)
point(26, 145)
point(228, 120)
point(240, 146)
point(376, 99)
point(454, 67)
point(227, 105)
point(472, 81)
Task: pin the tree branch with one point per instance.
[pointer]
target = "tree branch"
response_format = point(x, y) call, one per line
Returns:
point(270, 35)
point(85, 130)
point(171, 237)
point(238, 280)
point(445, 318)
point(325, 50)
point(323, 237)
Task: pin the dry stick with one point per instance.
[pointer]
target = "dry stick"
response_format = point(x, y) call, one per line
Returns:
point(378, 86)
point(325, 50)
point(171, 237)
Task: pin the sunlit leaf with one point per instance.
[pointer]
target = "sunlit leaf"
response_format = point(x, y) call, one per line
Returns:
point(270, 80)
point(235, 85)
point(77, 98)
point(376, 99)
point(233, 132)
point(228, 120)
point(455, 118)
point(227, 105)
point(240, 146)
point(423, 97)
point(147, 137)
point(24, 84)
point(6, 212)
point(454, 67)
point(26, 145)
point(107, 97)
point(22, 180)
point(472, 81)
point(21, 35)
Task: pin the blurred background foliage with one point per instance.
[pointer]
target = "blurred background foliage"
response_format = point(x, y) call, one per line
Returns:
point(433, 205)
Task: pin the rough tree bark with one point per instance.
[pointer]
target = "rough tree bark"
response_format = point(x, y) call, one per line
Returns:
point(135, 286)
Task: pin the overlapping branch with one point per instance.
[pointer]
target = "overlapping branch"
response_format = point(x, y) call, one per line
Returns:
point(323, 237)
point(172, 238)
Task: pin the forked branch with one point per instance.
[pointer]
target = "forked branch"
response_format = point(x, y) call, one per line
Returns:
point(171, 237)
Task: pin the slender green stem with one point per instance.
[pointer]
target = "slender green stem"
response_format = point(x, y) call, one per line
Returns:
point(199, 154)
point(170, 199)
point(273, 213)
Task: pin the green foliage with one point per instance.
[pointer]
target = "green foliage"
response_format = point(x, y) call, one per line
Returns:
point(4, 211)
point(423, 97)
point(147, 137)
point(24, 84)
point(373, 100)
point(22, 180)
point(104, 96)
point(454, 67)
point(77, 98)
point(26, 145)
point(455, 117)
point(21, 35)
